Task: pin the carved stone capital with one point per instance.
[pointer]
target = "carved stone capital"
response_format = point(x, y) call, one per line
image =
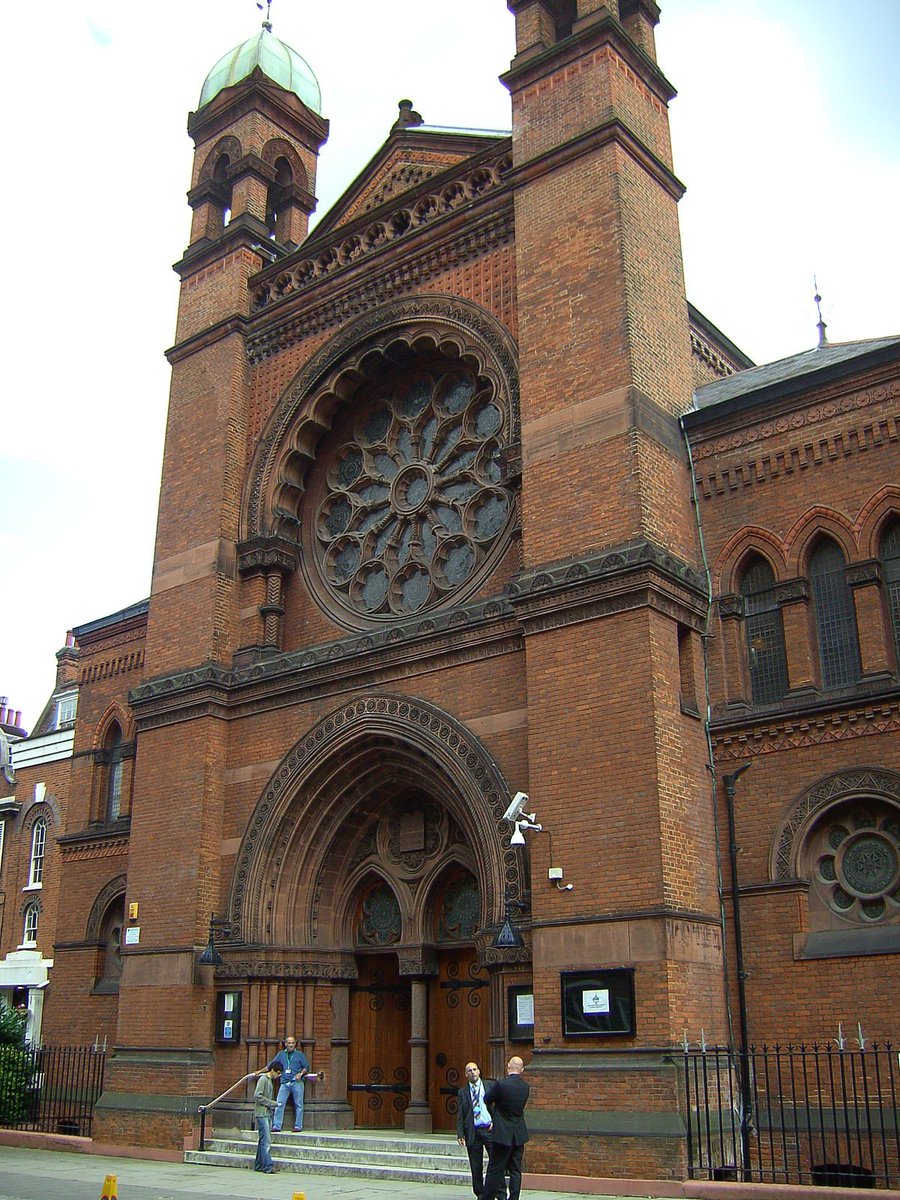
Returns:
point(418, 962)
point(792, 591)
point(731, 607)
point(862, 574)
point(260, 554)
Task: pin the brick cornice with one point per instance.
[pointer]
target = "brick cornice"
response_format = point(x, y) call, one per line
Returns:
point(612, 130)
point(634, 575)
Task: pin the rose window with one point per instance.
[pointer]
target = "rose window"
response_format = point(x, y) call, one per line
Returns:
point(858, 866)
point(407, 504)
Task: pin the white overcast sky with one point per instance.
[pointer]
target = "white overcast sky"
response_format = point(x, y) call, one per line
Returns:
point(785, 131)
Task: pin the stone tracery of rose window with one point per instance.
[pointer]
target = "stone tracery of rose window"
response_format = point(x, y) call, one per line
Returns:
point(857, 863)
point(407, 506)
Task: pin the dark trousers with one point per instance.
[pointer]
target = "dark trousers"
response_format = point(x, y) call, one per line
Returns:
point(503, 1159)
point(476, 1152)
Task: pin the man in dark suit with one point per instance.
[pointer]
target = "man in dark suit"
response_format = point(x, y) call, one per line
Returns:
point(507, 1099)
point(474, 1124)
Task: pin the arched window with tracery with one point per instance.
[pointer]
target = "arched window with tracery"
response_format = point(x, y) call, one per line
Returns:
point(764, 630)
point(835, 615)
point(890, 562)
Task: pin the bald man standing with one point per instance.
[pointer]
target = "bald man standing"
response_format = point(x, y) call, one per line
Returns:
point(507, 1099)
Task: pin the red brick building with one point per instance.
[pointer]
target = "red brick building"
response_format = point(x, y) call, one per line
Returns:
point(461, 498)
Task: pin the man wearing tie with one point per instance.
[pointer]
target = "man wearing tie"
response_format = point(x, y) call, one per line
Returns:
point(474, 1124)
point(507, 1099)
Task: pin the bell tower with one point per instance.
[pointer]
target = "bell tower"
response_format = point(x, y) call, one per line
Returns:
point(257, 132)
point(612, 599)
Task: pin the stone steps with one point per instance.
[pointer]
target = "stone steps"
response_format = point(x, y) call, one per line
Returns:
point(436, 1158)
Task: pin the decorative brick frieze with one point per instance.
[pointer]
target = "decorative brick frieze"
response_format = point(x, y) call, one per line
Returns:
point(755, 734)
point(796, 456)
point(350, 244)
point(268, 966)
point(380, 284)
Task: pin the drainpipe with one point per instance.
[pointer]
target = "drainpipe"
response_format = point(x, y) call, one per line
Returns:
point(728, 782)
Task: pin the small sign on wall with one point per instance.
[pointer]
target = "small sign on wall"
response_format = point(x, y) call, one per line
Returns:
point(133, 935)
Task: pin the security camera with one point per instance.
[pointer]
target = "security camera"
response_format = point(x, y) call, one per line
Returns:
point(516, 805)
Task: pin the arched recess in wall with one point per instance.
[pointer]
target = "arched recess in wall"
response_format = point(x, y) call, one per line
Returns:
point(105, 925)
point(396, 441)
point(322, 825)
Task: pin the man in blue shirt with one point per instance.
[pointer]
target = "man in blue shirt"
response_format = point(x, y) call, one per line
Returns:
point(294, 1067)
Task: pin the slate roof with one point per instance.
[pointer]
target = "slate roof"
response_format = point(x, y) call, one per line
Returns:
point(797, 372)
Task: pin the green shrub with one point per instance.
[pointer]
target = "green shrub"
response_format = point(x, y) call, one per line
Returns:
point(15, 1067)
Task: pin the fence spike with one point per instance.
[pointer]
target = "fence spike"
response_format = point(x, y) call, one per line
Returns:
point(840, 1037)
point(859, 1036)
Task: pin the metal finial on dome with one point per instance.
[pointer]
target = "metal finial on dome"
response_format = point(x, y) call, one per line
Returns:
point(267, 23)
point(820, 324)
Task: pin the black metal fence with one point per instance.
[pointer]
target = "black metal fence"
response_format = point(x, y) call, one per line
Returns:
point(50, 1088)
point(823, 1115)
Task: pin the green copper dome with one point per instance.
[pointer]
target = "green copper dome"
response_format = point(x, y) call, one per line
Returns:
point(277, 62)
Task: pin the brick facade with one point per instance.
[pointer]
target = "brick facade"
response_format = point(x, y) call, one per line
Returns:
point(428, 535)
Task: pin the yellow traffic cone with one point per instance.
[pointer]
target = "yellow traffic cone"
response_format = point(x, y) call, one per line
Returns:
point(110, 1188)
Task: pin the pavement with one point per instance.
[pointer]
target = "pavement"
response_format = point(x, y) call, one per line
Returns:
point(28, 1173)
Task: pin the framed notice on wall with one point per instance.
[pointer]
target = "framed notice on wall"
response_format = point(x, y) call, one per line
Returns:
point(598, 1003)
point(520, 1003)
point(228, 1017)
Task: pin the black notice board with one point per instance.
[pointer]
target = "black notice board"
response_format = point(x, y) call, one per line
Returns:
point(598, 1003)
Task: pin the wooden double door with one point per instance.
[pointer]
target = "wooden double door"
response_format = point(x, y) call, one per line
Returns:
point(380, 1029)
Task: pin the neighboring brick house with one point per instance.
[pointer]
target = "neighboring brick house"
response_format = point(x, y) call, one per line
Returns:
point(428, 537)
point(63, 861)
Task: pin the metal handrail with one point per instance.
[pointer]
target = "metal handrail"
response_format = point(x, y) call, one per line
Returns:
point(204, 1108)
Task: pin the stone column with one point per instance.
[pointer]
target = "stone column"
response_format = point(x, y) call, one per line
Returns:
point(418, 1115)
point(335, 1112)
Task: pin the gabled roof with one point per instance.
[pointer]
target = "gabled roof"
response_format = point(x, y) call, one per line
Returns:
point(410, 155)
point(797, 373)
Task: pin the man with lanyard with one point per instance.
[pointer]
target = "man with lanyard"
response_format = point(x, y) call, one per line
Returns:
point(474, 1124)
point(294, 1067)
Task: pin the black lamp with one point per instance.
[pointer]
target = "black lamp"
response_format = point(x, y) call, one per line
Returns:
point(210, 956)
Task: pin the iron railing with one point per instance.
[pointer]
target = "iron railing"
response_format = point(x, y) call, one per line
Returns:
point(51, 1089)
point(825, 1115)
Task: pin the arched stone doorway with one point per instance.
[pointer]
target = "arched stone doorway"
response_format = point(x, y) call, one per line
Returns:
point(376, 860)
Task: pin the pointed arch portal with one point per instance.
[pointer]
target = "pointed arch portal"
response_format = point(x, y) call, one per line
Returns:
point(379, 845)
